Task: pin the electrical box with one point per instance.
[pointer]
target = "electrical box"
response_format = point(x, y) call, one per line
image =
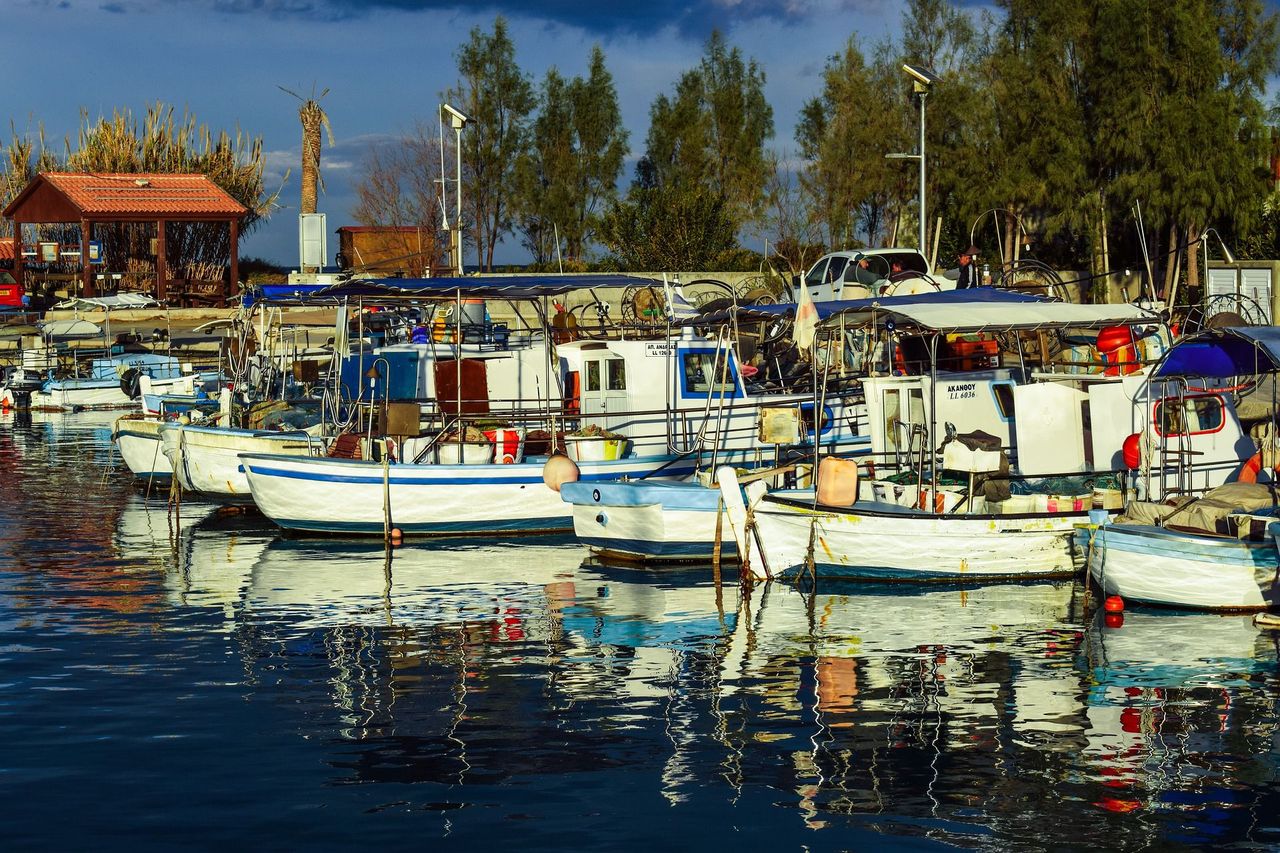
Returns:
point(780, 425)
point(400, 419)
point(313, 246)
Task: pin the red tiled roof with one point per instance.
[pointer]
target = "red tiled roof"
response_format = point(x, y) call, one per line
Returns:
point(140, 194)
point(6, 248)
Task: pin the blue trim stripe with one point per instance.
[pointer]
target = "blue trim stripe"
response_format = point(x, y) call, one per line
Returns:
point(447, 528)
point(640, 549)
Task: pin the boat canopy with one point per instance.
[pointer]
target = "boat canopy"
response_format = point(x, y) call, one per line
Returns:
point(1223, 353)
point(109, 303)
point(983, 309)
point(976, 309)
point(471, 287)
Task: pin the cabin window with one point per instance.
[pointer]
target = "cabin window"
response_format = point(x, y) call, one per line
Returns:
point(806, 418)
point(1194, 416)
point(701, 374)
point(615, 378)
point(1004, 399)
point(593, 375)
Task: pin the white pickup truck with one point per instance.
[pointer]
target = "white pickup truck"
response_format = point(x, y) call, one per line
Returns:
point(863, 273)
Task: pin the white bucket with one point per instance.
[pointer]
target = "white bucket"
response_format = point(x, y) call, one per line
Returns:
point(594, 449)
point(472, 454)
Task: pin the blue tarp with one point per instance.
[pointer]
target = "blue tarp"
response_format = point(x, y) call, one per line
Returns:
point(489, 287)
point(1223, 353)
point(472, 287)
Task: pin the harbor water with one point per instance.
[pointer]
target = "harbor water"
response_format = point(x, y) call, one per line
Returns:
point(188, 677)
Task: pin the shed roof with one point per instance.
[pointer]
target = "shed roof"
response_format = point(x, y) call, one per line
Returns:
point(70, 196)
point(382, 229)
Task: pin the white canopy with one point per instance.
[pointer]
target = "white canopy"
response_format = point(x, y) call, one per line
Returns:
point(110, 303)
point(981, 316)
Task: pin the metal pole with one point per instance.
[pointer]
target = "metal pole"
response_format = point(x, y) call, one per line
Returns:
point(457, 222)
point(924, 241)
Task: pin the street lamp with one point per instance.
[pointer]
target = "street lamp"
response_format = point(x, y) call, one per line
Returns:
point(921, 79)
point(457, 121)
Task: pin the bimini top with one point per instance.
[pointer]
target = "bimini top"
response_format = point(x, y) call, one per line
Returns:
point(976, 309)
point(487, 287)
point(983, 309)
point(1223, 353)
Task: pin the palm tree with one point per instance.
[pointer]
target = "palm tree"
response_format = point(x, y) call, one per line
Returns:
point(313, 119)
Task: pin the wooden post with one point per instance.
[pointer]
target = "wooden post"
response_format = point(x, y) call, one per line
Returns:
point(231, 287)
point(86, 271)
point(162, 270)
point(17, 253)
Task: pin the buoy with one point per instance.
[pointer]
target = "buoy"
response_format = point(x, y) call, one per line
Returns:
point(397, 536)
point(1113, 604)
point(1114, 620)
point(558, 470)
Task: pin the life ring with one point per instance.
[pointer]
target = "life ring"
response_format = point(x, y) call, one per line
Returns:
point(1252, 466)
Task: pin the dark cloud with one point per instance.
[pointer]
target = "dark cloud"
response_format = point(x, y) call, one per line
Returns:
point(605, 17)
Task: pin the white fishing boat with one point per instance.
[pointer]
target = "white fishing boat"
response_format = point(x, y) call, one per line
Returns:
point(111, 383)
point(1218, 551)
point(205, 459)
point(612, 417)
point(980, 526)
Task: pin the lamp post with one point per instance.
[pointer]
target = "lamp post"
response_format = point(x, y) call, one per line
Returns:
point(922, 79)
point(457, 121)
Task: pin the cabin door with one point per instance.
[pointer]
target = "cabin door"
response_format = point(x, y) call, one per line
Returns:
point(605, 402)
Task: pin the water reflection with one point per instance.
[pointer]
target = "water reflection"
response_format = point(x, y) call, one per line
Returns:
point(488, 684)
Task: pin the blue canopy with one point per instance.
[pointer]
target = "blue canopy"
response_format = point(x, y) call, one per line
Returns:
point(471, 287)
point(1223, 353)
point(486, 287)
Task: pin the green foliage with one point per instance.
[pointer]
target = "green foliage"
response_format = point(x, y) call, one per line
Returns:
point(667, 227)
point(498, 97)
point(163, 143)
point(843, 134)
point(573, 164)
point(707, 139)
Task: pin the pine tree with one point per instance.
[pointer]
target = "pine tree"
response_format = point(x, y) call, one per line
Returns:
point(498, 98)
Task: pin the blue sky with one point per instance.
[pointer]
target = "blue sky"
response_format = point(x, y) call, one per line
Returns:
point(385, 63)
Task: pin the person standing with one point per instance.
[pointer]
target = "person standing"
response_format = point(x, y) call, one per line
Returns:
point(965, 274)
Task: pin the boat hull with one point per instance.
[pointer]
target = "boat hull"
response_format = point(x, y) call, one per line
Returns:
point(883, 542)
point(650, 522)
point(138, 442)
point(1176, 569)
point(206, 460)
point(59, 395)
point(342, 496)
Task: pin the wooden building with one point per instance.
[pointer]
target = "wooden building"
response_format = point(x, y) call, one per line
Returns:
point(390, 250)
point(84, 199)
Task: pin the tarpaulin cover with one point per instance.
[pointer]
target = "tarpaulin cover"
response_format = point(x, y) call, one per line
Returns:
point(984, 309)
point(966, 310)
point(488, 287)
point(1222, 353)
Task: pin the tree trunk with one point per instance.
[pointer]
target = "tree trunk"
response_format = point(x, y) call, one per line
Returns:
point(1171, 260)
point(311, 116)
point(1193, 263)
point(1010, 235)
